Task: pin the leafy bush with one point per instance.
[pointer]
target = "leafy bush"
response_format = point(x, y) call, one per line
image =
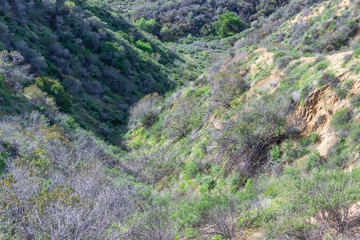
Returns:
point(322, 65)
point(338, 154)
point(149, 26)
point(40, 99)
point(56, 90)
point(340, 121)
point(191, 168)
point(313, 161)
point(328, 77)
point(341, 92)
point(145, 46)
point(282, 58)
point(228, 24)
point(355, 100)
point(355, 133)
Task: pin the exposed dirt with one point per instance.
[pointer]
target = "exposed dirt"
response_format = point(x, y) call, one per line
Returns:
point(316, 12)
point(268, 83)
point(315, 116)
point(343, 5)
point(316, 113)
point(266, 56)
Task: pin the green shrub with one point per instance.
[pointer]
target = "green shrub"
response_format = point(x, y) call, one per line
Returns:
point(355, 133)
point(302, 152)
point(328, 77)
point(2, 78)
point(282, 59)
point(191, 168)
point(260, 124)
point(145, 46)
point(314, 137)
point(282, 62)
point(4, 97)
point(339, 155)
point(355, 100)
point(149, 26)
point(113, 54)
point(322, 66)
point(56, 90)
point(235, 181)
point(340, 121)
point(325, 196)
point(275, 154)
point(3, 156)
point(185, 115)
point(314, 160)
point(356, 52)
point(191, 233)
point(189, 213)
point(228, 24)
point(69, 5)
point(341, 92)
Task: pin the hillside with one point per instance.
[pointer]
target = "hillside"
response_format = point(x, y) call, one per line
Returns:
point(172, 20)
point(248, 135)
point(103, 62)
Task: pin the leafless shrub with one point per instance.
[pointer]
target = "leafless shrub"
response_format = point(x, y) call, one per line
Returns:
point(155, 225)
point(55, 186)
point(260, 124)
point(150, 166)
point(229, 219)
point(145, 111)
point(13, 68)
point(226, 86)
point(326, 207)
point(183, 115)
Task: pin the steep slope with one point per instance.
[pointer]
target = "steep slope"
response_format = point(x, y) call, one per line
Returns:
point(263, 145)
point(104, 63)
point(56, 179)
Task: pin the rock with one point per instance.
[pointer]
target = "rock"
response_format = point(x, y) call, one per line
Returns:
point(296, 97)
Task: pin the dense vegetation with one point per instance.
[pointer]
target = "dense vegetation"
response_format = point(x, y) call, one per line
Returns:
point(171, 20)
point(100, 59)
point(243, 125)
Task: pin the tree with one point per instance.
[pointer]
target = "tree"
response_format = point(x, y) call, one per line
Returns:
point(55, 89)
point(147, 25)
point(145, 46)
point(228, 24)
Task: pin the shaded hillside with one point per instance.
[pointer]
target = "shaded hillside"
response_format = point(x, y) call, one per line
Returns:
point(177, 19)
point(103, 62)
